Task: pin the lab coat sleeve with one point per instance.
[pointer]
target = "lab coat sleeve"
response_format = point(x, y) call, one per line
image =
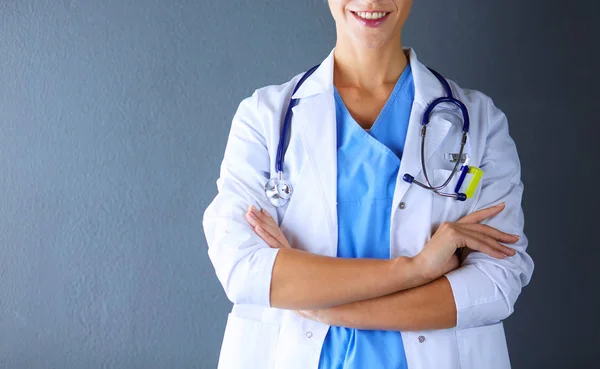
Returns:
point(485, 289)
point(243, 261)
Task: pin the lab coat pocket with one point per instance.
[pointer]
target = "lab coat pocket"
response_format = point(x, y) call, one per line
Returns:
point(447, 209)
point(248, 344)
point(483, 347)
point(436, 349)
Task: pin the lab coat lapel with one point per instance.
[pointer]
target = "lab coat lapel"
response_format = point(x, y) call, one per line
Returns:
point(314, 117)
point(319, 137)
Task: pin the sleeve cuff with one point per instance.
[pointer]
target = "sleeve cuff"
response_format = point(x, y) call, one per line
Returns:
point(258, 281)
point(478, 300)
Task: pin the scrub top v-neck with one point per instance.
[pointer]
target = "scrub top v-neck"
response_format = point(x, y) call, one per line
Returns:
point(367, 169)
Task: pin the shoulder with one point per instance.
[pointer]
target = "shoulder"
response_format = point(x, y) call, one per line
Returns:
point(483, 112)
point(271, 97)
point(489, 126)
point(267, 103)
point(474, 99)
point(264, 108)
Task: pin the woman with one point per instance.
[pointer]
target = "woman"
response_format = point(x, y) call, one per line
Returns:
point(359, 268)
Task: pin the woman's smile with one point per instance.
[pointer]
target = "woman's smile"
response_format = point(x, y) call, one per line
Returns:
point(371, 19)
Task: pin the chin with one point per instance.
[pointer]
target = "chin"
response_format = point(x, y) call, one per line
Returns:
point(370, 42)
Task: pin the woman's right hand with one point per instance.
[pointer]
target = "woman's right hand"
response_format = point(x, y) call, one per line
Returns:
point(435, 257)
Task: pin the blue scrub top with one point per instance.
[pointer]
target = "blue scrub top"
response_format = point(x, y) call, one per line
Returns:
point(367, 168)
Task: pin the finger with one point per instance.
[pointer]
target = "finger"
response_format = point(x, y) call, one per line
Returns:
point(308, 314)
point(474, 244)
point(492, 232)
point(264, 216)
point(272, 227)
point(272, 230)
point(255, 221)
point(483, 214)
point(251, 219)
point(302, 313)
point(491, 244)
point(264, 221)
point(270, 240)
point(305, 315)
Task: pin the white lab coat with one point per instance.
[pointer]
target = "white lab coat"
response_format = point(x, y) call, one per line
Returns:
point(485, 289)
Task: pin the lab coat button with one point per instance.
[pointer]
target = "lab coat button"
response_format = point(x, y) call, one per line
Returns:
point(402, 205)
point(309, 334)
point(421, 339)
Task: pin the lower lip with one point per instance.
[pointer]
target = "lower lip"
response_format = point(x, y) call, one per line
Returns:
point(371, 23)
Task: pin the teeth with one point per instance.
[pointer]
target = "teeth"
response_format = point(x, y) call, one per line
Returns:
point(371, 15)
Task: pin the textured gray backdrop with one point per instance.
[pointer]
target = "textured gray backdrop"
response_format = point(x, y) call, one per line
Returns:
point(113, 120)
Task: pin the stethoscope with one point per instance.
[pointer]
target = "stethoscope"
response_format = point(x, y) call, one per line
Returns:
point(279, 191)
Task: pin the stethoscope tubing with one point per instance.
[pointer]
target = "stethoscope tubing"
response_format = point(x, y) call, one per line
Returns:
point(287, 121)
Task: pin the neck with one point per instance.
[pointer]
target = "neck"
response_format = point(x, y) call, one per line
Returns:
point(368, 68)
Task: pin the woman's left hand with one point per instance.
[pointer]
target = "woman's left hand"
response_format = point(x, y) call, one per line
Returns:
point(267, 229)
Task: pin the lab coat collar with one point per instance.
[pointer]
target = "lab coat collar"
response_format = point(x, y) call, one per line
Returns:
point(427, 87)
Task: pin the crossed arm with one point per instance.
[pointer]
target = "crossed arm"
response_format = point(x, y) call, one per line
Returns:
point(430, 306)
point(423, 297)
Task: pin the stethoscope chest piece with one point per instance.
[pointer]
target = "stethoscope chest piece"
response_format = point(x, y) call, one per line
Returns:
point(278, 191)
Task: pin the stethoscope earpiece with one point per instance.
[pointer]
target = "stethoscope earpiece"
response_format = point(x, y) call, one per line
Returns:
point(408, 178)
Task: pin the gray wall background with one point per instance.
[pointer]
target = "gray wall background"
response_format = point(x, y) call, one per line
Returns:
point(113, 120)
